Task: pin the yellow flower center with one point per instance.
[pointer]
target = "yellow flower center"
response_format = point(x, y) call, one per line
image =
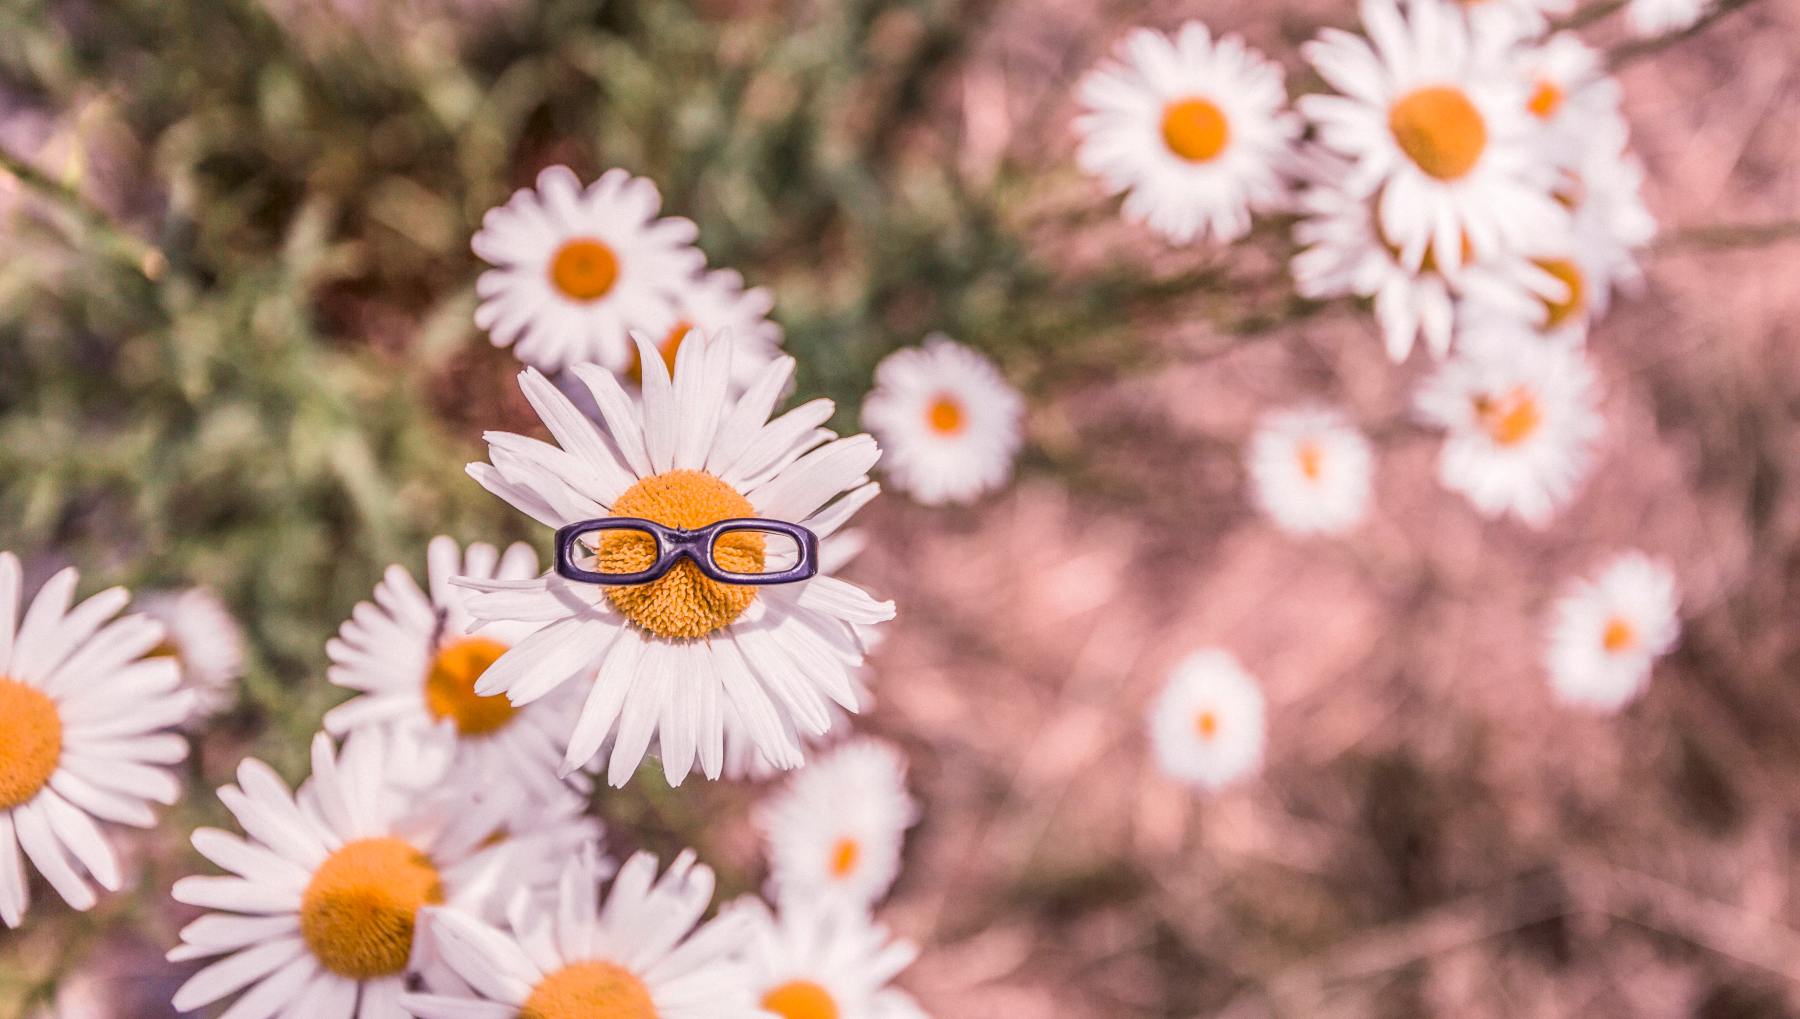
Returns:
point(1558, 312)
point(1545, 100)
point(683, 603)
point(668, 348)
point(1206, 723)
point(1619, 636)
point(1195, 129)
point(584, 269)
point(450, 687)
point(1312, 460)
point(589, 990)
point(30, 742)
point(844, 857)
point(1440, 130)
point(360, 908)
point(1509, 419)
point(945, 415)
point(800, 999)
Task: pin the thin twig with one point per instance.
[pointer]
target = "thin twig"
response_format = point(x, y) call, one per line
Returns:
point(1625, 53)
point(1728, 235)
point(145, 257)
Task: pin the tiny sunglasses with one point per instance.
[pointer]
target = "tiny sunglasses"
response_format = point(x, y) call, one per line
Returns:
point(673, 544)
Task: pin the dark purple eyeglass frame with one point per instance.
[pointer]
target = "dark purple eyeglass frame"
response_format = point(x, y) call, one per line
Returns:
point(674, 544)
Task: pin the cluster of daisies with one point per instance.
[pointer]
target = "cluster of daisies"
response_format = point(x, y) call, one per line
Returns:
point(580, 274)
point(440, 859)
point(1468, 174)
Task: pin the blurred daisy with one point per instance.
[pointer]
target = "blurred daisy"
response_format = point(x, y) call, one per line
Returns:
point(949, 421)
point(416, 657)
point(205, 641)
point(1344, 253)
point(1606, 633)
point(1192, 130)
point(319, 915)
point(1309, 469)
point(1656, 17)
point(1568, 91)
point(576, 268)
point(838, 827)
point(825, 959)
point(1437, 129)
point(638, 952)
point(1521, 416)
point(80, 712)
point(661, 660)
point(1207, 728)
point(717, 304)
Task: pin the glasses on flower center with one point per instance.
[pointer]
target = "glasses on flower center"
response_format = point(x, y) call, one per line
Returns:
point(622, 551)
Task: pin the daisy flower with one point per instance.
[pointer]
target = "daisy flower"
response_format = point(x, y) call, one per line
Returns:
point(716, 303)
point(1309, 469)
point(1569, 92)
point(1437, 129)
point(825, 959)
point(948, 419)
point(838, 827)
point(576, 268)
point(662, 660)
point(1344, 253)
point(205, 641)
point(1207, 728)
point(1191, 129)
point(1521, 415)
point(319, 916)
point(1606, 633)
point(1657, 17)
point(416, 656)
point(637, 952)
point(81, 709)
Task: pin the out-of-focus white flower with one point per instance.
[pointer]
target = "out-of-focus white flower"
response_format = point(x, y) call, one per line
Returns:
point(1192, 130)
point(1606, 633)
point(82, 711)
point(640, 951)
point(320, 913)
point(205, 641)
point(1310, 470)
point(1521, 416)
point(1569, 93)
point(1436, 128)
point(1498, 22)
point(825, 959)
point(947, 420)
point(716, 303)
point(659, 661)
point(1655, 17)
point(1208, 726)
point(416, 657)
point(838, 826)
point(576, 269)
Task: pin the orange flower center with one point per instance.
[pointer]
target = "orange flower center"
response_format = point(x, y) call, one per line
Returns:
point(1545, 100)
point(1312, 460)
point(1509, 419)
point(844, 857)
point(1195, 129)
point(800, 999)
point(1206, 723)
point(1565, 270)
point(1440, 130)
point(1619, 635)
point(450, 687)
point(589, 990)
point(31, 734)
point(360, 909)
point(945, 415)
point(683, 603)
point(584, 269)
